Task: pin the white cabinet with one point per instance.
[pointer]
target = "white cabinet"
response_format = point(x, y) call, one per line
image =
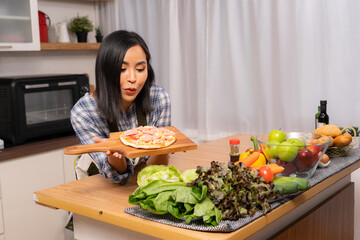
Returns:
point(19, 25)
point(1, 220)
point(1, 216)
point(20, 178)
point(69, 168)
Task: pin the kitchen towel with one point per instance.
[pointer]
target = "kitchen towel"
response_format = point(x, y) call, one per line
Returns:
point(336, 165)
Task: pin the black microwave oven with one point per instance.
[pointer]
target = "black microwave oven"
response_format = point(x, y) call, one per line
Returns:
point(38, 106)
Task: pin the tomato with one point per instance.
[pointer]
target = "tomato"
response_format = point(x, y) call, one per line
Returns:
point(266, 173)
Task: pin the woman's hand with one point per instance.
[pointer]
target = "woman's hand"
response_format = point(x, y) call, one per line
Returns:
point(115, 157)
point(115, 153)
point(117, 161)
point(98, 140)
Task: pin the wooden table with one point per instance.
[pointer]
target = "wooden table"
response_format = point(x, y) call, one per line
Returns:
point(327, 209)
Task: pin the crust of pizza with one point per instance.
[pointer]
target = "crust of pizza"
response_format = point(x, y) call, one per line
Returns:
point(155, 137)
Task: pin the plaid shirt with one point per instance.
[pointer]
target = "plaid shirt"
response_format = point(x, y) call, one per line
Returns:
point(87, 123)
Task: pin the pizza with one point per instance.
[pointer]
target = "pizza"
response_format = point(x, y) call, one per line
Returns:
point(148, 137)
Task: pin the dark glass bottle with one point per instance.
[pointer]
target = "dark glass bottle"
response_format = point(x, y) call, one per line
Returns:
point(317, 117)
point(323, 117)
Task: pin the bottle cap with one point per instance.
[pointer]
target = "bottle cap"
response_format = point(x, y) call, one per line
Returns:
point(234, 141)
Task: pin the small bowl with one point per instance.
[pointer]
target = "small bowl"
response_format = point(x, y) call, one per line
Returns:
point(298, 160)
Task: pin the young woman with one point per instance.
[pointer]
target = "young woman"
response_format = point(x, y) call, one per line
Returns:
point(125, 90)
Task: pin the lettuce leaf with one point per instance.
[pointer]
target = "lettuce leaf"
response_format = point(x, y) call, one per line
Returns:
point(181, 201)
point(158, 172)
point(189, 175)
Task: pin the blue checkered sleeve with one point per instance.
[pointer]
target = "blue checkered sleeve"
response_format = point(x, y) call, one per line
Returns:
point(160, 101)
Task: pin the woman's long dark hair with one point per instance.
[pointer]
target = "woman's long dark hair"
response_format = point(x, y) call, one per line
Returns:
point(108, 69)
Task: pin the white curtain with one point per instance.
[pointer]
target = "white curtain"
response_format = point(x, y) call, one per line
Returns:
point(249, 66)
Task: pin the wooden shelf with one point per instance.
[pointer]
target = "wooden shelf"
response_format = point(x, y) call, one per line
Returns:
point(69, 46)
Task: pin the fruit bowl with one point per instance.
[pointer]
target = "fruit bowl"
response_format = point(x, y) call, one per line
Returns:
point(296, 154)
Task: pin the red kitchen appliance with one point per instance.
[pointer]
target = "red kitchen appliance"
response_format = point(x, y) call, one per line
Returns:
point(43, 26)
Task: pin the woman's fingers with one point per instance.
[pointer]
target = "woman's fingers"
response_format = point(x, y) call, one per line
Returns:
point(97, 139)
point(117, 150)
point(115, 154)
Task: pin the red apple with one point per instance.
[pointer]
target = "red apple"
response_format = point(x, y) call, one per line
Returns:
point(315, 148)
point(304, 160)
point(289, 167)
point(317, 156)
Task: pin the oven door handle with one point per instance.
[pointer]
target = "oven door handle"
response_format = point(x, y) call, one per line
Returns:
point(41, 85)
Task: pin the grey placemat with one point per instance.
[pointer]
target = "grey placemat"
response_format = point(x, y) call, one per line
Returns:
point(320, 175)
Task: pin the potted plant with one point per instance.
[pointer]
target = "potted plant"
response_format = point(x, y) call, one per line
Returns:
point(81, 26)
point(98, 34)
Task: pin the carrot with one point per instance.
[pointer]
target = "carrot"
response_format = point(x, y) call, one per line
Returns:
point(249, 160)
point(275, 169)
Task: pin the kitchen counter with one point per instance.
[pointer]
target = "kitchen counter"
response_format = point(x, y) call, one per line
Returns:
point(38, 146)
point(98, 205)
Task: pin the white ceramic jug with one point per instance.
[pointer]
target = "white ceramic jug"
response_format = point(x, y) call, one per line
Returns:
point(62, 32)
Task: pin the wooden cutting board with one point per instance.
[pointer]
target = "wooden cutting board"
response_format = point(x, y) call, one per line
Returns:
point(114, 144)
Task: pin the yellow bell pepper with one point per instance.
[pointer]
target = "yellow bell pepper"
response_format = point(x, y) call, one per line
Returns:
point(261, 161)
point(244, 155)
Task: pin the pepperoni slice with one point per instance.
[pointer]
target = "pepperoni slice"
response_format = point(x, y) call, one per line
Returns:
point(130, 132)
point(147, 138)
point(164, 130)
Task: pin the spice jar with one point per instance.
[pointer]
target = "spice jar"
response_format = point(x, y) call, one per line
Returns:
point(234, 150)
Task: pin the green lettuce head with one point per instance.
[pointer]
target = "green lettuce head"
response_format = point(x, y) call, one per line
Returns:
point(157, 172)
point(189, 175)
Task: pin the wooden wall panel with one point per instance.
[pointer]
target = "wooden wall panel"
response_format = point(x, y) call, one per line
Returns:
point(333, 219)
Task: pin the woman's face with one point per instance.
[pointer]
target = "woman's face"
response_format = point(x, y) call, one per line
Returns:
point(133, 75)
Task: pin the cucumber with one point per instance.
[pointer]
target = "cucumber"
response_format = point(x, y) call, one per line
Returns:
point(279, 188)
point(288, 186)
point(304, 184)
